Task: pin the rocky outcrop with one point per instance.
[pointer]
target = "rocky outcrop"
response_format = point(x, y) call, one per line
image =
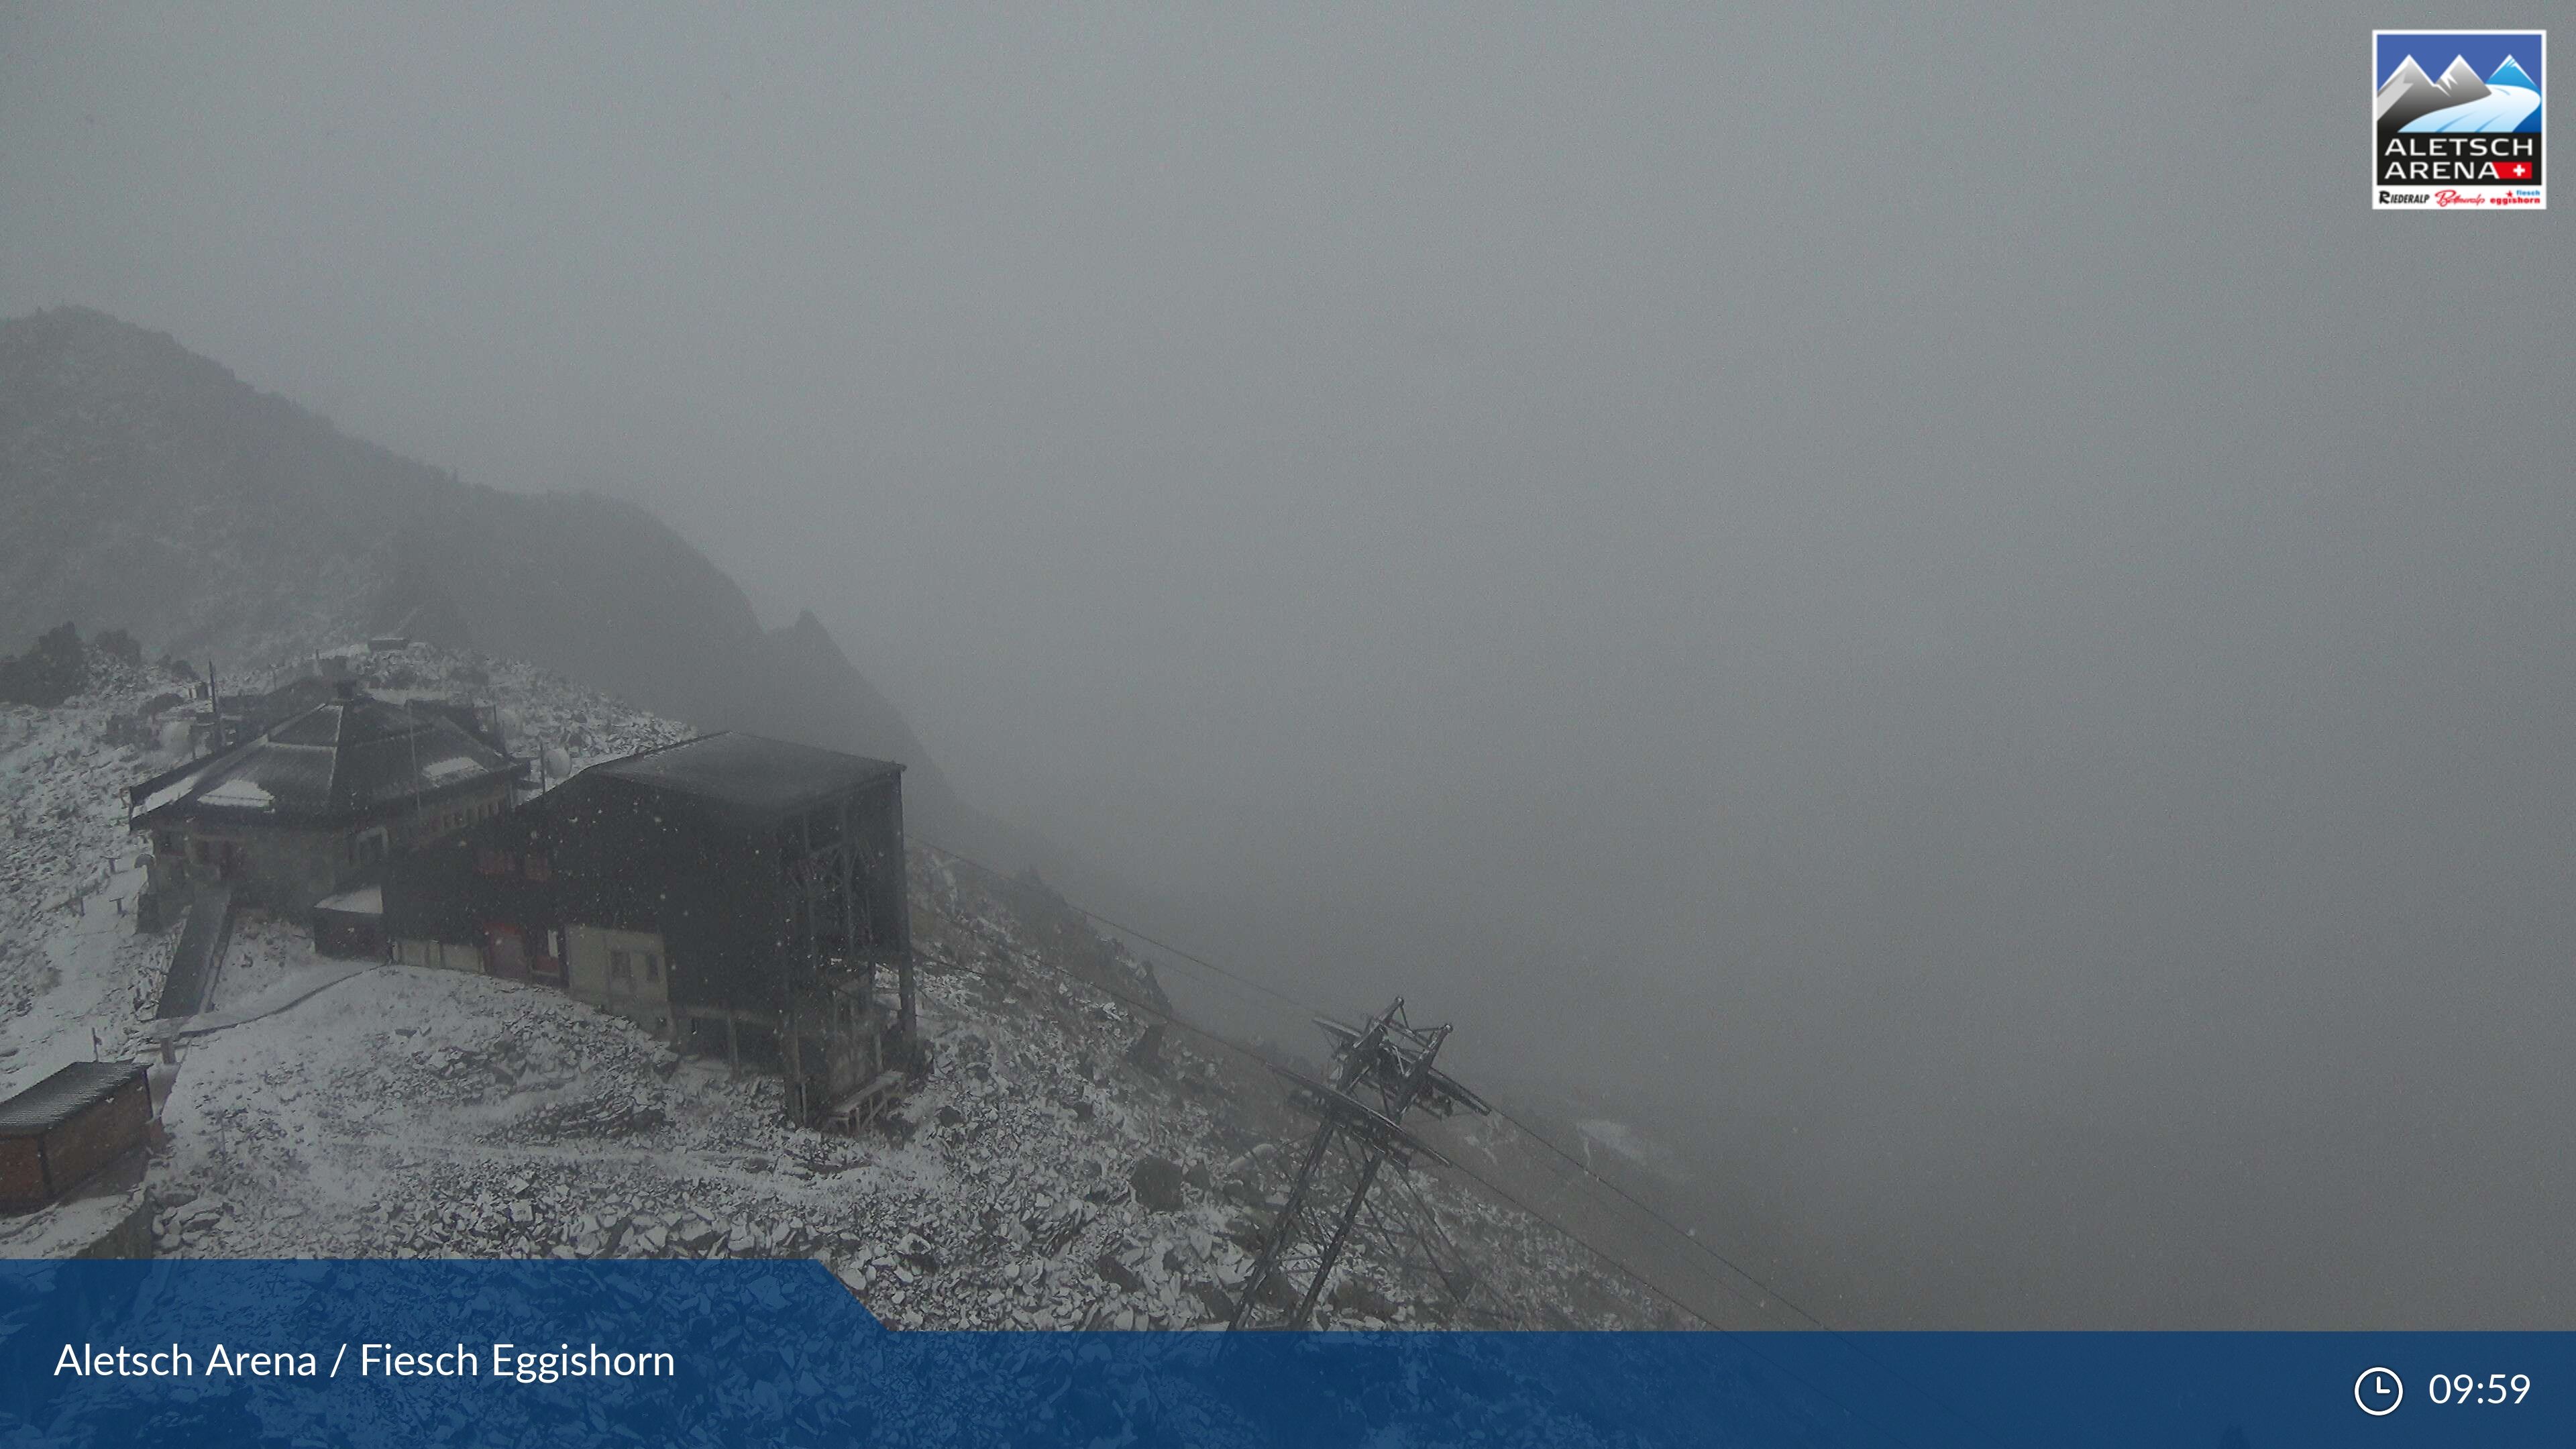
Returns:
point(149, 489)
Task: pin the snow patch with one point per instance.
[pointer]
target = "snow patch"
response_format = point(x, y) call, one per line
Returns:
point(366, 901)
point(1626, 1141)
point(170, 792)
point(240, 794)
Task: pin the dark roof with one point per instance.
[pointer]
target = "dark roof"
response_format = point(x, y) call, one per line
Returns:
point(344, 758)
point(282, 703)
point(747, 772)
point(481, 721)
point(59, 1098)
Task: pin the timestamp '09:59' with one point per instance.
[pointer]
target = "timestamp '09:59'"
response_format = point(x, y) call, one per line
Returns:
point(2470, 1389)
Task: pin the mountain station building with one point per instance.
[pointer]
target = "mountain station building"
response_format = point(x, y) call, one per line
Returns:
point(317, 802)
point(737, 896)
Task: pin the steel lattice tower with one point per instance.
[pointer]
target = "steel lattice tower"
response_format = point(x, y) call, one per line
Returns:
point(1380, 1072)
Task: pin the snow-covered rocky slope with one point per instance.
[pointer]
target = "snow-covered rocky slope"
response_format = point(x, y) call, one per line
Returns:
point(1057, 1168)
point(66, 869)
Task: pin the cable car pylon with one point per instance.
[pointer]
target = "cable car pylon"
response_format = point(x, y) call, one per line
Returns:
point(1380, 1072)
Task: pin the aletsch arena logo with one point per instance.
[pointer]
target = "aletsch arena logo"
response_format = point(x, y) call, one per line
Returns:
point(2467, 137)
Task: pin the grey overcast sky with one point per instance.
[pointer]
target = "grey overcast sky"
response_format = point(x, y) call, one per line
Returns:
point(1920, 598)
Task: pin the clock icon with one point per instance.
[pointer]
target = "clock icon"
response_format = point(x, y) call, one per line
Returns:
point(2378, 1391)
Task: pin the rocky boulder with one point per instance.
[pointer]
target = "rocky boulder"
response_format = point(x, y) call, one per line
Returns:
point(1159, 1184)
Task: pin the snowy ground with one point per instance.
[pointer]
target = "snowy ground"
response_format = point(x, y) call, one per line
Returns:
point(409, 1112)
point(70, 965)
point(1048, 1173)
point(268, 957)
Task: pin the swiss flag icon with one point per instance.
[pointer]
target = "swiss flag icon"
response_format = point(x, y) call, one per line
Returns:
point(2513, 170)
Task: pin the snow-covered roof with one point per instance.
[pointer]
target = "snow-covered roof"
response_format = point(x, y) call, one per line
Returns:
point(164, 794)
point(240, 793)
point(62, 1096)
point(749, 772)
point(364, 901)
point(346, 757)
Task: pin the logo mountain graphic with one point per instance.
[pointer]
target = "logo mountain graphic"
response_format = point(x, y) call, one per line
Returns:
point(2413, 101)
point(2510, 74)
point(2463, 135)
point(2409, 85)
point(2461, 81)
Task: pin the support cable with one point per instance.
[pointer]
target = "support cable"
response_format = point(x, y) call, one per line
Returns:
point(1570, 1159)
point(1496, 1190)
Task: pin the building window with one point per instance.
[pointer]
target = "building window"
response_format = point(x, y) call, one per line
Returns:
point(621, 971)
point(539, 868)
point(652, 967)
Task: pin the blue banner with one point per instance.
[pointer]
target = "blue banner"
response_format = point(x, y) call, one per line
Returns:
point(197, 1354)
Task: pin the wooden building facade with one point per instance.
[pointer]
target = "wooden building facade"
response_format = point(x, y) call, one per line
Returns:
point(740, 897)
